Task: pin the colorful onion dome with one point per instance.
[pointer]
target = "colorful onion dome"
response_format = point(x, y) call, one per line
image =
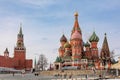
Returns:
point(63, 38)
point(61, 48)
point(68, 53)
point(87, 44)
point(76, 35)
point(94, 38)
point(67, 45)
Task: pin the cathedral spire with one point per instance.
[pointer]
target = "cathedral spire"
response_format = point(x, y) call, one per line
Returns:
point(105, 48)
point(76, 24)
point(76, 16)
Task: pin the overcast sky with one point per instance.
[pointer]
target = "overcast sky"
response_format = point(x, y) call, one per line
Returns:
point(44, 22)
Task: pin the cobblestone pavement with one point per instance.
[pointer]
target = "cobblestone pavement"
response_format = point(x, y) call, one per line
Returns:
point(30, 77)
point(23, 77)
point(33, 77)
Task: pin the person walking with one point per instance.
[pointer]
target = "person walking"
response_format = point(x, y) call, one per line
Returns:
point(86, 76)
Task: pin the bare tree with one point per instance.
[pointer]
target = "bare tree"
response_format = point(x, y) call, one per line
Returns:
point(42, 62)
point(112, 55)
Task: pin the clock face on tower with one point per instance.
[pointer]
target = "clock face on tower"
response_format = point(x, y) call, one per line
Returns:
point(19, 44)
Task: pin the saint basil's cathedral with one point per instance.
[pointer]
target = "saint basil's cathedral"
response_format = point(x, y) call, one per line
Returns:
point(77, 53)
point(18, 61)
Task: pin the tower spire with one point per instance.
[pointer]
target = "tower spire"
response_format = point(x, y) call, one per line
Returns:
point(105, 48)
point(76, 24)
point(76, 16)
point(6, 52)
point(20, 32)
point(20, 38)
point(35, 64)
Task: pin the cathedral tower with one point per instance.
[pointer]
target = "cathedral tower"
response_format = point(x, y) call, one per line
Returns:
point(105, 53)
point(61, 50)
point(76, 40)
point(94, 49)
point(87, 50)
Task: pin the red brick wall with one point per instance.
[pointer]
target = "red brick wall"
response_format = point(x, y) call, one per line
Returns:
point(29, 64)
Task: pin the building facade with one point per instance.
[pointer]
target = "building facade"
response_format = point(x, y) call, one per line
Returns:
point(77, 53)
point(18, 61)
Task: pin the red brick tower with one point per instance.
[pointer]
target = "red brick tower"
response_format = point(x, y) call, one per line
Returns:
point(20, 51)
point(6, 53)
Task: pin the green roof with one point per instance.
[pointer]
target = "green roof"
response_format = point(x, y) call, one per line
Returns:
point(58, 59)
point(67, 45)
point(91, 64)
point(94, 37)
point(87, 44)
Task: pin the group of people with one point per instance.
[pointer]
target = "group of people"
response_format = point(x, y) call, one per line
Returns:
point(65, 75)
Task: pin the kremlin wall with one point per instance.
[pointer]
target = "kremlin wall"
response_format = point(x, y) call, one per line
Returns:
point(18, 61)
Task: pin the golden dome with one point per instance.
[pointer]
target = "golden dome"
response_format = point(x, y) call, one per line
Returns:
point(76, 14)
